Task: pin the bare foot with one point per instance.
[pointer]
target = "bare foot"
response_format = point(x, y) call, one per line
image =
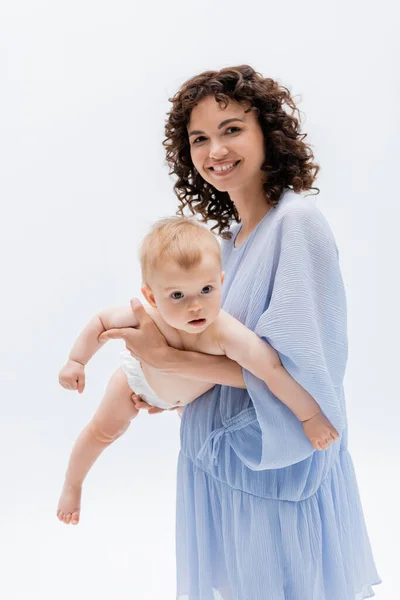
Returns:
point(69, 505)
point(320, 431)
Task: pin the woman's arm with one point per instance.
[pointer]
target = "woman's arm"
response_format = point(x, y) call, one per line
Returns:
point(304, 320)
point(204, 367)
point(146, 342)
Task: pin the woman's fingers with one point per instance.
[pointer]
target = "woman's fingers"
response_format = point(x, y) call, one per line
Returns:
point(115, 334)
point(140, 404)
point(155, 409)
point(139, 311)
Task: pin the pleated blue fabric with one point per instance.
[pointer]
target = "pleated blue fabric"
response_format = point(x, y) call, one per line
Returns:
point(260, 514)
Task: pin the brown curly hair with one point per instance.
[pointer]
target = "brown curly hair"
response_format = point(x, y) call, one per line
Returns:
point(290, 160)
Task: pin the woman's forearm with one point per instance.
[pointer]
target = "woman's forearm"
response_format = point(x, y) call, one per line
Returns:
point(204, 367)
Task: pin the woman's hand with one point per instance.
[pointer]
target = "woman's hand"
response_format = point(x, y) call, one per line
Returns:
point(145, 342)
point(140, 404)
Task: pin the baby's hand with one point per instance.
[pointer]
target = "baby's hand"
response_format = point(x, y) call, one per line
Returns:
point(320, 432)
point(72, 376)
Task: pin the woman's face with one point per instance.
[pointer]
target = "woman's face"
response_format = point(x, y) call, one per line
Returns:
point(226, 145)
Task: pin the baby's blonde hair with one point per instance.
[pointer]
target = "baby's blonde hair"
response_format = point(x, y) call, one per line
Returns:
point(182, 240)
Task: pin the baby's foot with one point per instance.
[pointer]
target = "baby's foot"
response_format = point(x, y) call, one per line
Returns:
point(69, 505)
point(320, 431)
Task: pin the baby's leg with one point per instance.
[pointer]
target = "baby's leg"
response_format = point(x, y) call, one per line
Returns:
point(110, 421)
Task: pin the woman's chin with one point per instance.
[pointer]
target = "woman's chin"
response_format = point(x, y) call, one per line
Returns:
point(222, 186)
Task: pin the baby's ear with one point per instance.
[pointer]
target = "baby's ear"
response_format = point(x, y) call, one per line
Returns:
point(222, 276)
point(148, 294)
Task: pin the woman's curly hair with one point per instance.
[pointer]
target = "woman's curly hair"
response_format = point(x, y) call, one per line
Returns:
point(289, 160)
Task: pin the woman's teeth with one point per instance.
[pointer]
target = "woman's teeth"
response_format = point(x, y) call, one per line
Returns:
point(224, 168)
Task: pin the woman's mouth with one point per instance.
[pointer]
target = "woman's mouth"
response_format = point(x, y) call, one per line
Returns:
point(197, 322)
point(223, 170)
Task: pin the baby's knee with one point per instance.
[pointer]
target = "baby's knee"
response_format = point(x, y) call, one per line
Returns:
point(106, 433)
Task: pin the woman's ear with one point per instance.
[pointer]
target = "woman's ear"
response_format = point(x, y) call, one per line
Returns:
point(148, 294)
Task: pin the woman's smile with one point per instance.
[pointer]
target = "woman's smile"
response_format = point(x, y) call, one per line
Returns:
point(222, 170)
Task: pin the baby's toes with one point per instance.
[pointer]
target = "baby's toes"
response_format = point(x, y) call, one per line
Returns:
point(75, 518)
point(60, 515)
point(68, 519)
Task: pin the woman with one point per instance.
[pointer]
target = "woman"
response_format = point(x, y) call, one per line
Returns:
point(260, 515)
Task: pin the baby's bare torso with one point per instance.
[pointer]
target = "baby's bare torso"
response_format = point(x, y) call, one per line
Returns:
point(173, 388)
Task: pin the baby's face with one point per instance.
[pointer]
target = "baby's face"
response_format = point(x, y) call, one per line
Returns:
point(189, 300)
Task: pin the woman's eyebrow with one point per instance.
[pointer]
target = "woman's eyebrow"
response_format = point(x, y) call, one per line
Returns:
point(222, 124)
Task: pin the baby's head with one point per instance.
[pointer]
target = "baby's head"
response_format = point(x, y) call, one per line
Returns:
point(182, 273)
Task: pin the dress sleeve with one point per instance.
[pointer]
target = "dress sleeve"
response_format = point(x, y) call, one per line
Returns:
point(305, 321)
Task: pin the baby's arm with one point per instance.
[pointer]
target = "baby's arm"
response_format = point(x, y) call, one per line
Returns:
point(87, 343)
point(72, 375)
point(258, 357)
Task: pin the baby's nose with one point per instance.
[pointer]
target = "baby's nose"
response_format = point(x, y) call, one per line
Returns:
point(195, 306)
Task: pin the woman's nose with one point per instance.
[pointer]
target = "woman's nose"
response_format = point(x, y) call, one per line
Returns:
point(218, 151)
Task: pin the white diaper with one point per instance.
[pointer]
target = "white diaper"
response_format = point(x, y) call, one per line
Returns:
point(138, 383)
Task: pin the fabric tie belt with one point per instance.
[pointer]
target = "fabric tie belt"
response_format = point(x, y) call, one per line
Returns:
point(211, 446)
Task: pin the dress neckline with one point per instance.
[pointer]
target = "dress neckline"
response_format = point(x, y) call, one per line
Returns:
point(251, 234)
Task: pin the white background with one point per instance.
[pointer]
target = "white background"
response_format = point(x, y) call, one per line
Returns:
point(84, 92)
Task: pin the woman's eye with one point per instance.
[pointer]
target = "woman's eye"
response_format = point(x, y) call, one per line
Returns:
point(207, 289)
point(176, 295)
point(199, 139)
point(233, 129)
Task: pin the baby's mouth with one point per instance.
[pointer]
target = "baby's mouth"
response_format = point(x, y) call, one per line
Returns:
point(197, 322)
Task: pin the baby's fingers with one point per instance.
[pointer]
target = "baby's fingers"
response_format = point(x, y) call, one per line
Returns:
point(66, 384)
point(81, 383)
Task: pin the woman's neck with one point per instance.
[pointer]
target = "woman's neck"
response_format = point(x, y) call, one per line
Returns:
point(252, 206)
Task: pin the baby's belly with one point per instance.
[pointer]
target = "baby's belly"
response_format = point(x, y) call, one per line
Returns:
point(172, 388)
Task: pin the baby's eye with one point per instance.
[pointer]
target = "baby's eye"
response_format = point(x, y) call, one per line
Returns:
point(207, 289)
point(177, 295)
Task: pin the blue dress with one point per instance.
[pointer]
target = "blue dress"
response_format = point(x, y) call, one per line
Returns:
point(260, 514)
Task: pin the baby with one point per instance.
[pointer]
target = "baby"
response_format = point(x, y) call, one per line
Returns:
point(182, 284)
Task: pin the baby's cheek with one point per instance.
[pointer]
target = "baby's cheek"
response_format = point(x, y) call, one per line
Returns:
point(171, 317)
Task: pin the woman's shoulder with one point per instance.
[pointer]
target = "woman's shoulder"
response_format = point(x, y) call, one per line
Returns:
point(293, 204)
point(302, 224)
point(296, 210)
